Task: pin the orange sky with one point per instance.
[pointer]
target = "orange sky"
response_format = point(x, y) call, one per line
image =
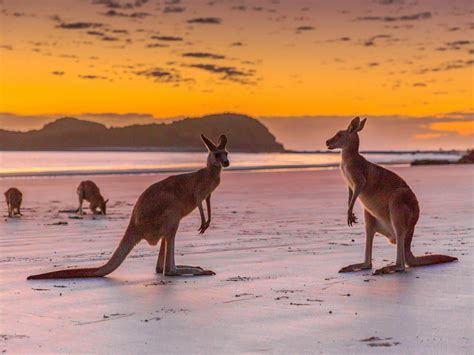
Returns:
point(263, 58)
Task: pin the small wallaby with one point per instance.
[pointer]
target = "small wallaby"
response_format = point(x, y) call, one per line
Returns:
point(89, 191)
point(390, 206)
point(157, 214)
point(13, 197)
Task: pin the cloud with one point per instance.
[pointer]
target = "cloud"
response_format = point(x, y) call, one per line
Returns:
point(389, 2)
point(239, 8)
point(456, 64)
point(168, 38)
point(111, 39)
point(161, 75)
point(119, 31)
point(418, 16)
point(113, 13)
point(371, 40)
point(205, 20)
point(6, 46)
point(95, 33)
point(113, 4)
point(173, 9)
point(462, 128)
point(79, 25)
point(456, 45)
point(342, 39)
point(156, 45)
point(225, 72)
point(428, 135)
point(58, 73)
point(304, 29)
point(203, 55)
point(237, 44)
point(92, 77)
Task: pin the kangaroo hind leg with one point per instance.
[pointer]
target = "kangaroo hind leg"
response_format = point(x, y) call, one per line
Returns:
point(370, 227)
point(80, 196)
point(160, 264)
point(166, 262)
point(401, 215)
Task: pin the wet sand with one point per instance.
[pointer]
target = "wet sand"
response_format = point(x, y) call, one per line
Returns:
point(276, 242)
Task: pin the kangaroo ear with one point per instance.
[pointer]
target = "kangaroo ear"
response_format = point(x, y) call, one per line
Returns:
point(354, 125)
point(222, 142)
point(211, 146)
point(361, 125)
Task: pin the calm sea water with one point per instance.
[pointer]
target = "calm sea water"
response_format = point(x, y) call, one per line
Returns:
point(77, 163)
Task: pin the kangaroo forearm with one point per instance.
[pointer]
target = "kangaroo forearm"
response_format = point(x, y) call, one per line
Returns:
point(201, 212)
point(208, 205)
point(350, 197)
point(354, 197)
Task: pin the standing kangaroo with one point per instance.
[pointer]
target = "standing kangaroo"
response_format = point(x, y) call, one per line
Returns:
point(14, 197)
point(390, 206)
point(157, 214)
point(89, 191)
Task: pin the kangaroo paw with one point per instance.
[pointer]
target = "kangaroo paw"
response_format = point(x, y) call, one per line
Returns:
point(389, 270)
point(356, 267)
point(194, 271)
point(188, 267)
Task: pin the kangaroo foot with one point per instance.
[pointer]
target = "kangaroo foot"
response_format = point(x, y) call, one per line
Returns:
point(188, 267)
point(356, 267)
point(389, 269)
point(195, 271)
point(159, 270)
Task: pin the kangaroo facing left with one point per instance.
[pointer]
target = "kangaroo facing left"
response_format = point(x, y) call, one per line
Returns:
point(89, 191)
point(13, 197)
point(157, 214)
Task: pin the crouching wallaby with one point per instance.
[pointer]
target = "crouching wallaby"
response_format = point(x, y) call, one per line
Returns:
point(13, 197)
point(390, 206)
point(89, 191)
point(157, 214)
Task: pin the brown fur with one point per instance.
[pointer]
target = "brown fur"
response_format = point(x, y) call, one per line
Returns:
point(89, 191)
point(13, 197)
point(390, 206)
point(157, 214)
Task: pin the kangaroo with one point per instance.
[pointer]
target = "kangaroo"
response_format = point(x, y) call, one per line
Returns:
point(157, 214)
point(89, 191)
point(14, 197)
point(390, 206)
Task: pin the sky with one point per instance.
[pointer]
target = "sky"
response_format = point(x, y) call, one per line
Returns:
point(273, 59)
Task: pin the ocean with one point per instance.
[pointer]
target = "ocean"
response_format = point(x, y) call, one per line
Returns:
point(14, 164)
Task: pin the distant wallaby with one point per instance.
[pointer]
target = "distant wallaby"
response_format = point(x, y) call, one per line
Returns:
point(157, 214)
point(89, 191)
point(13, 197)
point(390, 206)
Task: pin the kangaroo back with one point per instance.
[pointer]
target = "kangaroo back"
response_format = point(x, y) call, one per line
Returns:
point(125, 247)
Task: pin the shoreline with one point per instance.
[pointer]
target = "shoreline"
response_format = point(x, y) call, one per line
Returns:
point(259, 168)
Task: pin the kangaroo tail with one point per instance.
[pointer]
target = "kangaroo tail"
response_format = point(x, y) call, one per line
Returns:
point(433, 259)
point(125, 247)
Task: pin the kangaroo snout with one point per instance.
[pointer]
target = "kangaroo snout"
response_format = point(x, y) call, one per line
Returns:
point(329, 144)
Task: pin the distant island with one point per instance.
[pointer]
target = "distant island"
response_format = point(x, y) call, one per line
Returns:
point(245, 134)
point(467, 158)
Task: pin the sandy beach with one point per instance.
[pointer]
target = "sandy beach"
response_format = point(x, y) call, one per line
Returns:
point(276, 243)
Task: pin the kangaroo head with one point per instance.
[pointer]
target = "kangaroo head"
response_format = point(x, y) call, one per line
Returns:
point(103, 207)
point(348, 136)
point(217, 153)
